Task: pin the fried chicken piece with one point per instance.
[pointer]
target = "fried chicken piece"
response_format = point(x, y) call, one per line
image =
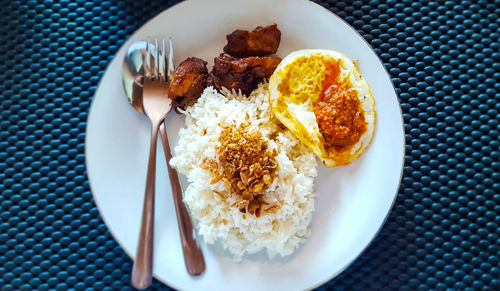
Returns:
point(259, 42)
point(242, 73)
point(188, 82)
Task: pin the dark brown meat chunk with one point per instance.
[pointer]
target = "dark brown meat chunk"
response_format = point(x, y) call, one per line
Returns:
point(242, 74)
point(259, 42)
point(188, 82)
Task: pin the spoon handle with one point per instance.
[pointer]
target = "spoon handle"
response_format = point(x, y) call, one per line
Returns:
point(193, 256)
point(143, 264)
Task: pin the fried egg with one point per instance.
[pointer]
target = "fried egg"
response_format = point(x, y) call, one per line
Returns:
point(321, 97)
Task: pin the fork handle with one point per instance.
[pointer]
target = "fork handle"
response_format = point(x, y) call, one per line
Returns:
point(143, 264)
point(193, 256)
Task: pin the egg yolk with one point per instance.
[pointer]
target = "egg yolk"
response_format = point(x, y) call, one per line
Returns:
point(340, 117)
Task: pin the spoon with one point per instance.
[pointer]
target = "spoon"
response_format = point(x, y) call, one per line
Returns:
point(133, 78)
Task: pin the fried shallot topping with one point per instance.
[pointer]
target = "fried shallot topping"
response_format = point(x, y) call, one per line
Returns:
point(246, 165)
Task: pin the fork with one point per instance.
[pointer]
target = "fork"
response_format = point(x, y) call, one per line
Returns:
point(193, 256)
point(156, 105)
point(158, 70)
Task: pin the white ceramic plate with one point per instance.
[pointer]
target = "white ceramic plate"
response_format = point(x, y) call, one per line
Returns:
point(353, 201)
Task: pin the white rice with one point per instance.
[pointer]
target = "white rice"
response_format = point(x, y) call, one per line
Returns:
point(215, 219)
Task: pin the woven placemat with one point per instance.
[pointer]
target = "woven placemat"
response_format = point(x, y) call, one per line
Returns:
point(444, 60)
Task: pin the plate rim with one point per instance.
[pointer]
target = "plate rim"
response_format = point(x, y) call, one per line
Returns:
point(335, 274)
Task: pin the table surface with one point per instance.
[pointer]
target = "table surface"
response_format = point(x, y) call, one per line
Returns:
point(444, 60)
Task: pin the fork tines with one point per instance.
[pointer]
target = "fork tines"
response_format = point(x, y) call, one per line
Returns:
point(156, 65)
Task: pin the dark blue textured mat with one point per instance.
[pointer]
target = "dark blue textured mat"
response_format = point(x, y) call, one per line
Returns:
point(443, 56)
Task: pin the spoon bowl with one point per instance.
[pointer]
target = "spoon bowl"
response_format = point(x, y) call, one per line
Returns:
point(133, 73)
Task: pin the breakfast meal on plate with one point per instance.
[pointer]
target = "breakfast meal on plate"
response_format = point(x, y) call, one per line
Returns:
point(249, 145)
point(321, 97)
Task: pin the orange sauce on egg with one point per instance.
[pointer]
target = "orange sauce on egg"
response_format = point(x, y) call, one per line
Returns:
point(338, 111)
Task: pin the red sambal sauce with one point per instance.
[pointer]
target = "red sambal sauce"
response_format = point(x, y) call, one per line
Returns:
point(338, 111)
